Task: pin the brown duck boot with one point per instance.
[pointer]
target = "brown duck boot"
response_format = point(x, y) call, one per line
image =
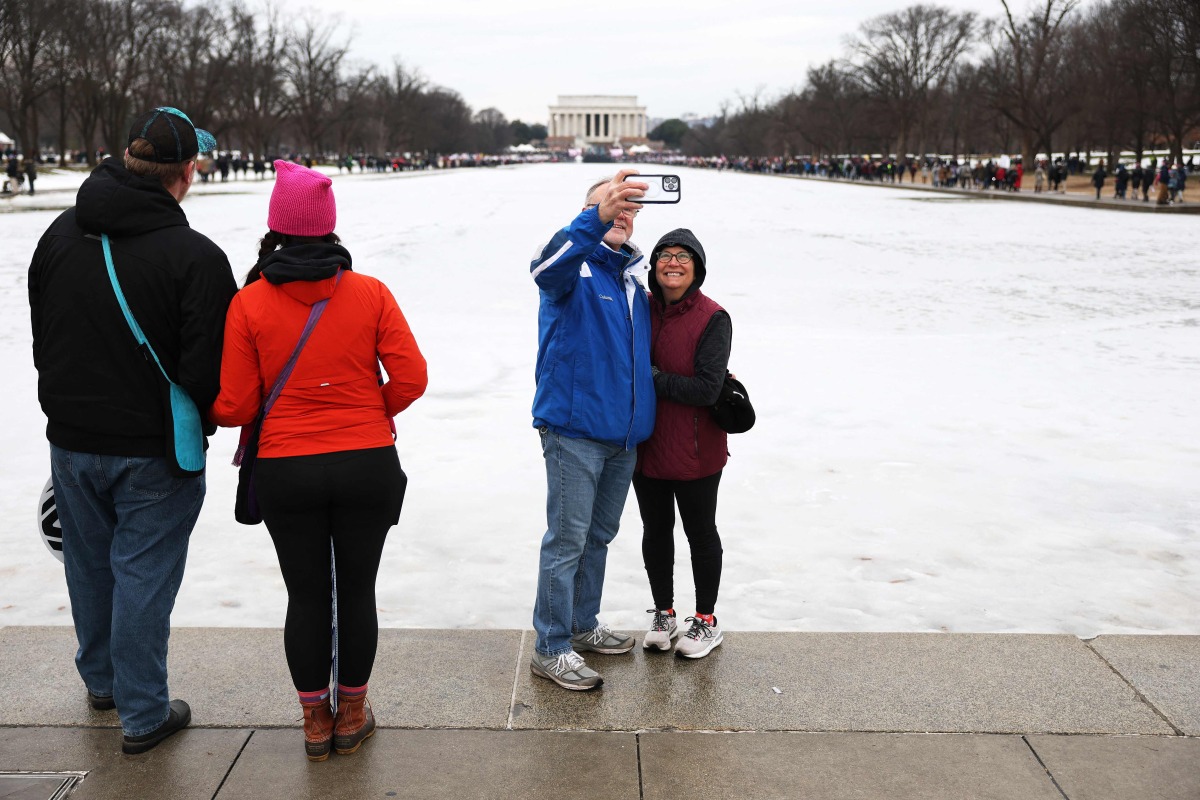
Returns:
point(354, 724)
point(318, 729)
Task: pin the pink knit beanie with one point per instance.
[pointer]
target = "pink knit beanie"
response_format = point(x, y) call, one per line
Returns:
point(302, 201)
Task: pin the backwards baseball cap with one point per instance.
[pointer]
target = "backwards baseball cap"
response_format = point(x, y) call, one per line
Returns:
point(171, 135)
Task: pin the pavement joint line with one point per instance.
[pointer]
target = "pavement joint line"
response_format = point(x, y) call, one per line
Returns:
point(637, 739)
point(639, 731)
point(1049, 774)
point(233, 764)
point(1136, 692)
point(512, 699)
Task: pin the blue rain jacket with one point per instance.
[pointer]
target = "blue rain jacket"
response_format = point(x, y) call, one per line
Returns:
point(593, 362)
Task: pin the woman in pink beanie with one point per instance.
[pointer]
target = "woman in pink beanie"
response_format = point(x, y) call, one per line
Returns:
point(327, 469)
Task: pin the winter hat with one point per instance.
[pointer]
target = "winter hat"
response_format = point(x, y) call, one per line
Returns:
point(171, 134)
point(680, 237)
point(301, 202)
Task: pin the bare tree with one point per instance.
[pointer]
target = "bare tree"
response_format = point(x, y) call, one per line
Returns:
point(492, 131)
point(901, 58)
point(353, 114)
point(194, 66)
point(701, 140)
point(128, 32)
point(967, 118)
point(1027, 73)
point(1135, 61)
point(786, 135)
point(257, 84)
point(313, 66)
point(64, 68)
point(1097, 56)
point(27, 33)
point(838, 106)
point(746, 131)
point(444, 122)
point(1171, 32)
point(400, 101)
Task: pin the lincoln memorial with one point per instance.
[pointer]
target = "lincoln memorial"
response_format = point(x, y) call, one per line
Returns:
point(598, 119)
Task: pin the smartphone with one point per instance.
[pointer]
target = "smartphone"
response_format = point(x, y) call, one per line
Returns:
point(663, 188)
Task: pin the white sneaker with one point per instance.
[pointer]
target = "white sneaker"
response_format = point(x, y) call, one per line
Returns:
point(662, 630)
point(700, 639)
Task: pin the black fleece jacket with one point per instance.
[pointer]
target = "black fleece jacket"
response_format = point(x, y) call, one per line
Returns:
point(99, 392)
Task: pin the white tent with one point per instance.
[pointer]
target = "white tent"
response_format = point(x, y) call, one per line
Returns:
point(639, 148)
point(523, 148)
point(5, 140)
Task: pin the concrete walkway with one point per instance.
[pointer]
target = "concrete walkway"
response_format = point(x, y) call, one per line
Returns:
point(767, 715)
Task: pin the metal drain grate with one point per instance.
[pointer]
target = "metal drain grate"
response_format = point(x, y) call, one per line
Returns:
point(38, 785)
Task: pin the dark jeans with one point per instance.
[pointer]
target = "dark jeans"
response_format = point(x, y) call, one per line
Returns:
point(698, 509)
point(351, 499)
point(126, 522)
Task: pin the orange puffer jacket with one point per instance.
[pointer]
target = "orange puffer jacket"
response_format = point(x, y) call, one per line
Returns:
point(333, 401)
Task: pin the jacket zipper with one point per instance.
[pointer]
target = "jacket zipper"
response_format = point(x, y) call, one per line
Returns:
point(632, 351)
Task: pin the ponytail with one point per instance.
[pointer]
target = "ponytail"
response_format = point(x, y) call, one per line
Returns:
point(273, 240)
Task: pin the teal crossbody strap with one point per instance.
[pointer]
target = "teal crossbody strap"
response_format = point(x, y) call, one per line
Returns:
point(186, 429)
point(133, 325)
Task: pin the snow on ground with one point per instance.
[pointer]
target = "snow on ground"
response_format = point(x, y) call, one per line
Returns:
point(973, 416)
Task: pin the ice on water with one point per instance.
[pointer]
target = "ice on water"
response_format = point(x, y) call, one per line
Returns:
point(973, 416)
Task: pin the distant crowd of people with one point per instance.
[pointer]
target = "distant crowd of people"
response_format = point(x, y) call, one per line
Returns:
point(18, 171)
point(1167, 182)
point(1161, 180)
point(226, 165)
point(223, 166)
point(411, 162)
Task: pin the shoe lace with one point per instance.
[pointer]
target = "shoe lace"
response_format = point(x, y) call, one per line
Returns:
point(662, 620)
point(567, 662)
point(598, 634)
point(699, 629)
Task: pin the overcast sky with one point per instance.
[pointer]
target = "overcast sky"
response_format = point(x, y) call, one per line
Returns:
point(676, 57)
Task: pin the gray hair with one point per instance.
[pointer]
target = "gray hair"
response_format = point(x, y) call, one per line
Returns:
point(587, 197)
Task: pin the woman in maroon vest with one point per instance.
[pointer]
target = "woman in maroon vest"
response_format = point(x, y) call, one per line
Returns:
point(682, 460)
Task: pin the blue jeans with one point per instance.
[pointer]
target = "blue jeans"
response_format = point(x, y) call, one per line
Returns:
point(126, 522)
point(587, 484)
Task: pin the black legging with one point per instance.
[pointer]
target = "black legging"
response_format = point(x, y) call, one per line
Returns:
point(351, 498)
point(698, 509)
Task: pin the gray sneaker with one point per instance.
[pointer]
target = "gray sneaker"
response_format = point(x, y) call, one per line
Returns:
point(700, 639)
point(602, 640)
point(567, 670)
point(662, 630)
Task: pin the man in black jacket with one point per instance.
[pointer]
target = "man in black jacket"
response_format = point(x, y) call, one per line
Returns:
point(126, 511)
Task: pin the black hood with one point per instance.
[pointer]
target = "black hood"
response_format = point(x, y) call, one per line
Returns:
point(314, 261)
point(680, 237)
point(115, 201)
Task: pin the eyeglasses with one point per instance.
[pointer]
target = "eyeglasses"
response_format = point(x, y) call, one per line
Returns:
point(633, 213)
point(682, 258)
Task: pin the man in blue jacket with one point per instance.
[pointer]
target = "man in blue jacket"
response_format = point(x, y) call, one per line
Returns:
point(594, 403)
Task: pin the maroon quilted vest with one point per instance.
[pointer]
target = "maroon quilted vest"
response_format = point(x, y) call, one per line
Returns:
point(686, 443)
